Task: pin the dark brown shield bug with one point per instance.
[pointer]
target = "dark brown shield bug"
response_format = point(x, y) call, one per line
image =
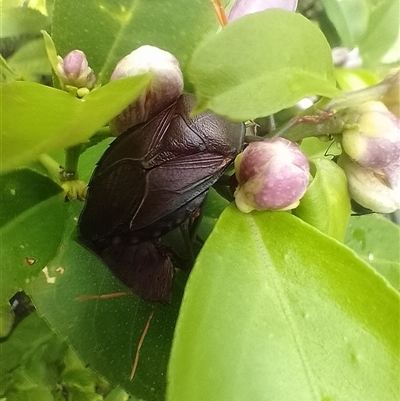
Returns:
point(149, 181)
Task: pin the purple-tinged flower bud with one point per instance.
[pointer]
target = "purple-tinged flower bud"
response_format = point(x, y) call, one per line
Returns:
point(272, 174)
point(165, 87)
point(375, 189)
point(374, 140)
point(244, 7)
point(74, 70)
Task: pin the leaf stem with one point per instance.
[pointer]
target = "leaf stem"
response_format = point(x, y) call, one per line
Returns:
point(357, 97)
point(301, 127)
point(52, 167)
point(71, 162)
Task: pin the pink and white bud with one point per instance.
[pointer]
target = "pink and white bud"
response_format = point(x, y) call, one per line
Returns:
point(375, 189)
point(74, 70)
point(272, 174)
point(244, 7)
point(373, 141)
point(165, 87)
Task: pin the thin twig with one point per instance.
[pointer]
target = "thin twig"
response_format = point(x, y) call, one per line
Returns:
point(220, 11)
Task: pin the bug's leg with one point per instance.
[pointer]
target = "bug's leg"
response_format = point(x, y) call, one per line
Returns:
point(220, 11)
point(103, 296)
point(185, 231)
point(140, 343)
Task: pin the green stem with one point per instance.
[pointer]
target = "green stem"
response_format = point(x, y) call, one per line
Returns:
point(302, 127)
point(357, 97)
point(52, 167)
point(71, 162)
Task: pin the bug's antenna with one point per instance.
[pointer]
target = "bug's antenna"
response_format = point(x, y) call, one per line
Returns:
point(220, 11)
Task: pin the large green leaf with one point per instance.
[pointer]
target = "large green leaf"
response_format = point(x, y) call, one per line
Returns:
point(32, 223)
point(54, 119)
point(105, 333)
point(275, 310)
point(341, 13)
point(376, 240)
point(260, 64)
point(382, 32)
point(30, 61)
point(35, 363)
point(21, 21)
point(111, 29)
point(326, 204)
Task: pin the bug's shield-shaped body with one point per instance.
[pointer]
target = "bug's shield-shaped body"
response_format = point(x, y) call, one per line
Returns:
point(148, 182)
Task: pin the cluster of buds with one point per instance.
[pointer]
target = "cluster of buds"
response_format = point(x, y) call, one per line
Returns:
point(73, 70)
point(273, 174)
point(165, 87)
point(371, 157)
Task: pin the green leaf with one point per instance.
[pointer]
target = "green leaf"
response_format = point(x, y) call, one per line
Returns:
point(341, 13)
point(30, 61)
point(376, 240)
point(261, 64)
point(353, 79)
point(211, 210)
point(110, 30)
point(6, 72)
point(21, 21)
point(23, 352)
point(54, 119)
point(35, 363)
point(382, 32)
point(105, 332)
point(326, 204)
point(32, 223)
point(275, 310)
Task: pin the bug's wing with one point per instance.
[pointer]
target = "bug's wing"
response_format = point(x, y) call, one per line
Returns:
point(146, 268)
point(174, 185)
point(119, 183)
point(113, 198)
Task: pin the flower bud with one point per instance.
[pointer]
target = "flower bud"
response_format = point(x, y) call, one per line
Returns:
point(165, 87)
point(375, 189)
point(272, 174)
point(244, 7)
point(374, 141)
point(74, 70)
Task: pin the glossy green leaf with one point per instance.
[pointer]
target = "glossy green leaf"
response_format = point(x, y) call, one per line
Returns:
point(376, 240)
point(275, 310)
point(32, 223)
point(6, 72)
point(211, 210)
point(341, 13)
point(54, 119)
point(353, 79)
point(35, 362)
point(30, 61)
point(106, 332)
point(382, 32)
point(110, 30)
point(22, 21)
point(261, 64)
point(326, 204)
